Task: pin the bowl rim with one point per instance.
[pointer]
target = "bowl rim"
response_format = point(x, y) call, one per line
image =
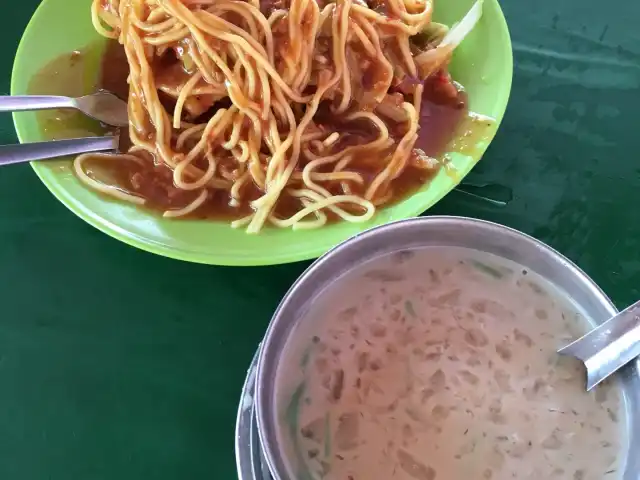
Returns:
point(313, 281)
point(213, 257)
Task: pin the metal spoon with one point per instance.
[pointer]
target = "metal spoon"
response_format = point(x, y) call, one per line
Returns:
point(102, 106)
point(608, 347)
point(28, 152)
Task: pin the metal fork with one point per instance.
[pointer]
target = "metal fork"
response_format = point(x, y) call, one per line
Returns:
point(102, 106)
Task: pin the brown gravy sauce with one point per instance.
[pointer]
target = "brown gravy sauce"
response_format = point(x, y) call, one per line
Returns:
point(442, 116)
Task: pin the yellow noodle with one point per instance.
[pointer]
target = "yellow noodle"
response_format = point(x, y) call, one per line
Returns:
point(184, 94)
point(192, 207)
point(110, 190)
point(277, 73)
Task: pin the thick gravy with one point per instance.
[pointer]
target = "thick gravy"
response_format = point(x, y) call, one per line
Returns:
point(441, 364)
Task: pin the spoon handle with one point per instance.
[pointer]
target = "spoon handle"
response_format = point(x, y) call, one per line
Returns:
point(20, 103)
point(28, 152)
point(608, 347)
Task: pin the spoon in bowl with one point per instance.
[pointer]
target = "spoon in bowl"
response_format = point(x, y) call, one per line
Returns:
point(608, 347)
point(102, 106)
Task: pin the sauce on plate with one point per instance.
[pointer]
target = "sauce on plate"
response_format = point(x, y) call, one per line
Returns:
point(444, 116)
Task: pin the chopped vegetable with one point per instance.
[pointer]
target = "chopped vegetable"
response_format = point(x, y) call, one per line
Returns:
point(408, 306)
point(460, 30)
point(327, 436)
point(432, 35)
point(304, 361)
point(491, 271)
point(432, 60)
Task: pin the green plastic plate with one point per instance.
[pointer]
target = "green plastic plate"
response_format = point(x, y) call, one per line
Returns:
point(483, 64)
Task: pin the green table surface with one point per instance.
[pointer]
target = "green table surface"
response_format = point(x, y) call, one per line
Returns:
point(117, 364)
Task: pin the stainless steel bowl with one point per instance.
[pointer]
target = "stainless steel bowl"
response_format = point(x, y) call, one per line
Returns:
point(424, 232)
point(250, 460)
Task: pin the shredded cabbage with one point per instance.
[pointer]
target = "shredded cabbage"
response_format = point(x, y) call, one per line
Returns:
point(432, 60)
point(460, 30)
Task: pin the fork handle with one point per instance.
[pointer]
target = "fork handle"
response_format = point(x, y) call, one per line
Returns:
point(20, 103)
point(28, 152)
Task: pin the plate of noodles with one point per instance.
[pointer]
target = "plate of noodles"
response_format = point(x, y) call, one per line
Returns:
point(265, 131)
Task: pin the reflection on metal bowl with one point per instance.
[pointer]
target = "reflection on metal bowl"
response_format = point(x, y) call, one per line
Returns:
point(402, 236)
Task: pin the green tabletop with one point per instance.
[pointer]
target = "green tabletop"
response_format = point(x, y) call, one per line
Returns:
point(117, 364)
